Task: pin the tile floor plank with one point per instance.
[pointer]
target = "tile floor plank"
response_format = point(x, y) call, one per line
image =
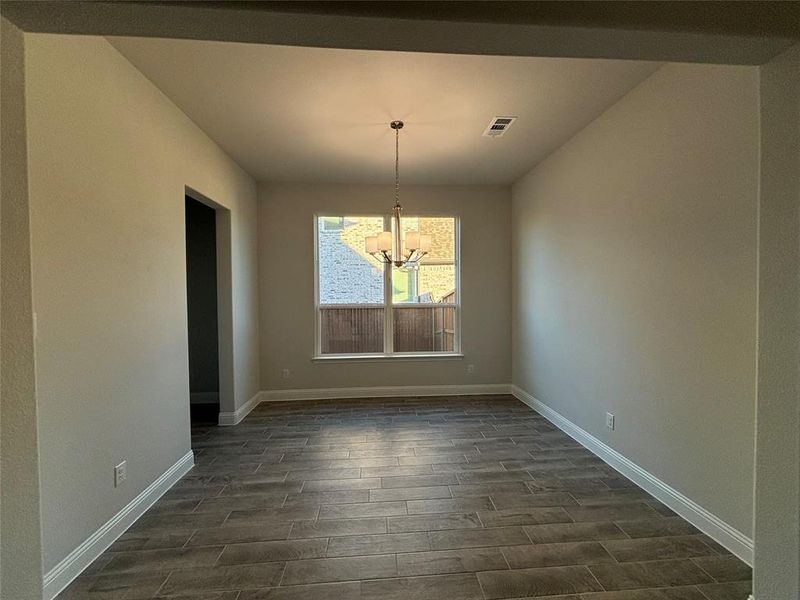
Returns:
point(436, 522)
point(441, 562)
point(523, 516)
point(725, 568)
point(337, 527)
point(660, 548)
point(474, 538)
point(266, 532)
point(410, 493)
point(441, 587)
point(661, 573)
point(320, 591)
point(362, 510)
point(574, 532)
point(277, 551)
point(155, 561)
point(230, 578)
point(323, 570)
point(658, 527)
point(556, 555)
point(735, 590)
point(673, 593)
point(370, 545)
point(449, 505)
point(550, 581)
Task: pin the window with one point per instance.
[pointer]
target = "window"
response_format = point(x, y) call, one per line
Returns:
point(368, 308)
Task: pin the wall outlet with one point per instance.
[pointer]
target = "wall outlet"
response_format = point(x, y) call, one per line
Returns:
point(120, 473)
point(610, 420)
point(286, 373)
point(470, 368)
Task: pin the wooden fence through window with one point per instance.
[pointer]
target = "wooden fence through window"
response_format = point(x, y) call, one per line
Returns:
point(417, 328)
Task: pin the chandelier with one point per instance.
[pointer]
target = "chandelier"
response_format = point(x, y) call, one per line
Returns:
point(388, 247)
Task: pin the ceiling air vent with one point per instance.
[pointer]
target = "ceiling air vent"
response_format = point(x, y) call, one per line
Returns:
point(498, 126)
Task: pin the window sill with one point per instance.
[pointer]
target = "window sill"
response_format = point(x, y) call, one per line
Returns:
point(387, 357)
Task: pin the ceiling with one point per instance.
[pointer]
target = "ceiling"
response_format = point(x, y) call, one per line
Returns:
point(311, 114)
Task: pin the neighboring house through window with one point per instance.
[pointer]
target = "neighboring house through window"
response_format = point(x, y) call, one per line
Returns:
point(368, 308)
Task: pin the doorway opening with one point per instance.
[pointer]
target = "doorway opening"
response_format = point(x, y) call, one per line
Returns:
point(202, 310)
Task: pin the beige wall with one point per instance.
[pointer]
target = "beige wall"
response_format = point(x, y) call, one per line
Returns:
point(109, 157)
point(634, 281)
point(777, 519)
point(286, 249)
point(20, 540)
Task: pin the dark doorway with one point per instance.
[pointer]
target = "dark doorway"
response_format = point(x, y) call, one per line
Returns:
point(201, 293)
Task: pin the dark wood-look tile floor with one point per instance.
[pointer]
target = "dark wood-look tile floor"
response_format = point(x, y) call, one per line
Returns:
point(411, 499)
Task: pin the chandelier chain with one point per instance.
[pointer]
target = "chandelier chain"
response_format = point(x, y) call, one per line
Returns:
point(397, 167)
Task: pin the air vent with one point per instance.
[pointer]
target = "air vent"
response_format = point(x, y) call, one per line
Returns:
point(498, 126)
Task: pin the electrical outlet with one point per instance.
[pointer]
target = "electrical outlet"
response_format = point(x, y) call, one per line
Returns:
point(610, 420)
point(286, 373)
point(120, 473)
point(470, 368)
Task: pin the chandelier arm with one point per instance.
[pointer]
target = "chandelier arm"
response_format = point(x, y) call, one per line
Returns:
point(381, 256)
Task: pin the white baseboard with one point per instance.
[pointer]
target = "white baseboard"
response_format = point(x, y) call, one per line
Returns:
point(235, 417)
point(405, 391)
point(717, 529)
point(76, 561)
point(399, 391)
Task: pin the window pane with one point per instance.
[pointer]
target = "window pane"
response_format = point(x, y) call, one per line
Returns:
point(404, 284)
point(424, 328)
point(434, 279)
point(437, 281)
point(351, 330)
point(347, 274)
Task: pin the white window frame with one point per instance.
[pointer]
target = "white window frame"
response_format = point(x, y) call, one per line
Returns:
point(387, 305)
